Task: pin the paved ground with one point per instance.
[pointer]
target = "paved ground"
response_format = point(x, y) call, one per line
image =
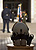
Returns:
point(5, 34)
point(32, 30)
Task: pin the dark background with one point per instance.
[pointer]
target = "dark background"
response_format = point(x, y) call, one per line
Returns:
point(13, 5)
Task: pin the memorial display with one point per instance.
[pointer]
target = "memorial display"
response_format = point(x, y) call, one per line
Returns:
point(21, 36)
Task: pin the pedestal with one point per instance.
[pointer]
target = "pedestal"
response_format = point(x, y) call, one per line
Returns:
point(10, 47)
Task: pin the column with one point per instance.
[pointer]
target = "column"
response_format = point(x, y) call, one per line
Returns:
point(1, 8)
point(32, 11)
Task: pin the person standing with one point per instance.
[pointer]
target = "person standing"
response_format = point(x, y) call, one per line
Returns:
point(25, 16)
point(6, 17)
point(13, 16)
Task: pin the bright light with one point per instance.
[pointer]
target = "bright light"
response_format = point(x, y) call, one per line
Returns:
point(32, 8)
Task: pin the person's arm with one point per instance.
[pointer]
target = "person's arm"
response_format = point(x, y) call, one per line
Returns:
point(10, 13)
point(2, 15)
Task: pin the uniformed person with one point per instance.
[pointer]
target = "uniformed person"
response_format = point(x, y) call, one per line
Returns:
point(6, 17)
point(13, 16)
point(25, 16)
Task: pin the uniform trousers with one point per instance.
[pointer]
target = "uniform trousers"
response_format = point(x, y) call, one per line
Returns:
point(6, 21)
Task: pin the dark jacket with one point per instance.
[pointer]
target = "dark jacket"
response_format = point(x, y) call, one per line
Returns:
point(6, 14)
point(24, 19)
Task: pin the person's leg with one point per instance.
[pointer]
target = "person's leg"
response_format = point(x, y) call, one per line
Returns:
point(4, 22)
point(8, 26)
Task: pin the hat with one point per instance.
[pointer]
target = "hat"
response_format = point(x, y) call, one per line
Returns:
point(19, 4)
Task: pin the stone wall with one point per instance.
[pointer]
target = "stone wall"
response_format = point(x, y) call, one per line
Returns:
point(35, 11)
point(1, 8)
